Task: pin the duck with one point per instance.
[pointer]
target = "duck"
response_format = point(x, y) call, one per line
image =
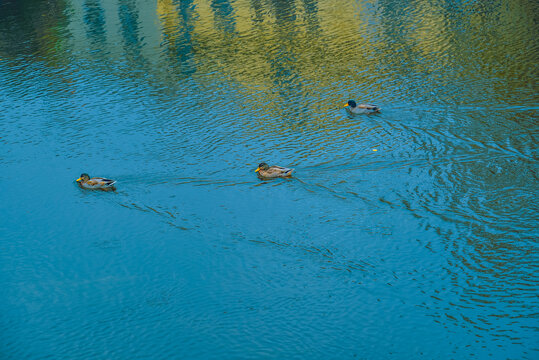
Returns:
point(354, 108)
point(266, 171)
point(96, 183)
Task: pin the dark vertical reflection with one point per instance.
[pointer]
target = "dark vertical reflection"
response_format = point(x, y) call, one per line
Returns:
point(283, 61)
point(311, 16)
point(130, 29)
point(129, 19)
point(94, 18)
point(286, 37)
point(33, 27)
point(14, 31)
point(313, 46)
point(258, 12)
point(224, 16)
point(177, 19)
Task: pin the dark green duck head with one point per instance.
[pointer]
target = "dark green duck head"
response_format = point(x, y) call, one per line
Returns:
point(350, 103)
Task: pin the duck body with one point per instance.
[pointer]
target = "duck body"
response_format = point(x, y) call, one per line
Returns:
point(353, 108)
point(268, 172)
point(96, 183)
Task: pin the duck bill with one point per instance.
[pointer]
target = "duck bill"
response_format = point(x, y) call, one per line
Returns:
point(78, 180)
point(345, 105)
point(257, 170)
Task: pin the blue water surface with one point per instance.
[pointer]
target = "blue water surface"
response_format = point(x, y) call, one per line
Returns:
point(407, 234)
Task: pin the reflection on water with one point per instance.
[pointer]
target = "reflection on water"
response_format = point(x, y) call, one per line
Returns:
point(427, 246)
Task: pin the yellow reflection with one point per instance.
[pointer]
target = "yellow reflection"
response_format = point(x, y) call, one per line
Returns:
point(170, 22)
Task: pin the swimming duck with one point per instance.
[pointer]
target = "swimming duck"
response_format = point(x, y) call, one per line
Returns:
point(97, 183)
point(266, 171)
point(353, 108)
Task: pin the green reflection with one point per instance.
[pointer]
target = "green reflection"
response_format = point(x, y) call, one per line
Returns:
point(277, 47)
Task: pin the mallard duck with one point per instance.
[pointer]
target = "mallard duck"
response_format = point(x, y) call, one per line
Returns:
point(266, 171)
point(353, 108)
point(97, 183)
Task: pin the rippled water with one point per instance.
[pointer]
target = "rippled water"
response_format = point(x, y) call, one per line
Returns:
point(425, 248)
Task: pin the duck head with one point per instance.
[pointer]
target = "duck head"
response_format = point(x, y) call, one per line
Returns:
point(83, 177)
point(262, 166)
point(350, 103)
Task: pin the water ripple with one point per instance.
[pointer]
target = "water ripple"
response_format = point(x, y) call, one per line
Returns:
point(418, 223)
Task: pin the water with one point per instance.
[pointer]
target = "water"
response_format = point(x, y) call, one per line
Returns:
point(424, 248)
